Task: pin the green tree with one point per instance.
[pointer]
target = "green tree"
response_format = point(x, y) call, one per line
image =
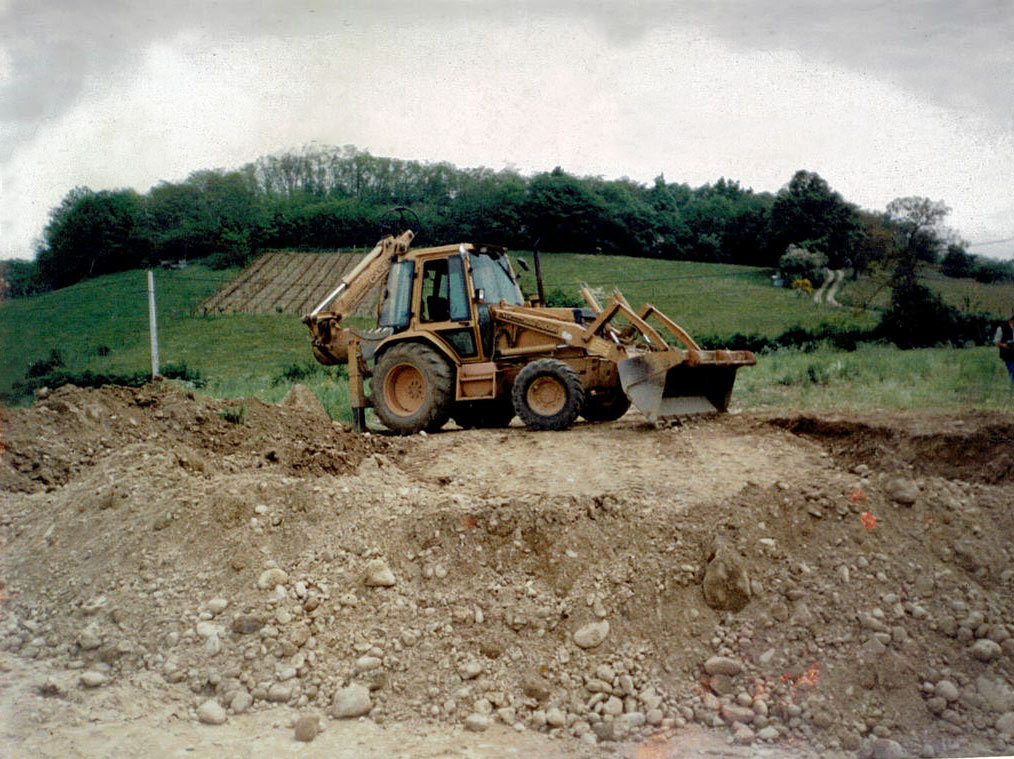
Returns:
point(808, 211)
point(918, 223)
point(561, 211)
point(19, 279)
point(873, 245)
point(92, 233)
point(917, 316)
point(957, 263)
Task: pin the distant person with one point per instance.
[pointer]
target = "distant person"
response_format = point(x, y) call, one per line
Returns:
point(1004, 340)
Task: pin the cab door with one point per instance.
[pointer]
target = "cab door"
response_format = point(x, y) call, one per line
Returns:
point(444, 305)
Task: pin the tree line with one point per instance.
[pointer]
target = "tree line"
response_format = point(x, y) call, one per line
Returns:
point(323, 198)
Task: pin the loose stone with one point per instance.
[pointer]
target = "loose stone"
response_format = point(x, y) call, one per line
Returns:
point(211, 713)
point(591, 634)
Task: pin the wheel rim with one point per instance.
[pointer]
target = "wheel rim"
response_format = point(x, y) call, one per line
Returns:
point(404, 389)
point(546, 396)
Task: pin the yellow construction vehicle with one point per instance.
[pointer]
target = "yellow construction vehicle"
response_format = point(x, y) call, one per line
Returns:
point(456, 338)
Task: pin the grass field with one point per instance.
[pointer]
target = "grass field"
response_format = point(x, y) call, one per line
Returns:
point(876, 376)
point(964, 294)
point(102, 325)
point(706, 299)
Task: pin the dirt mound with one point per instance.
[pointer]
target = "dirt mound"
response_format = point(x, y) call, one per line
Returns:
point(73, 430)
point(615, 582)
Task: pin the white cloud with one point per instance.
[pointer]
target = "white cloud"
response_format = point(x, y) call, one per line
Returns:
point(531, 96)
point(6, 64)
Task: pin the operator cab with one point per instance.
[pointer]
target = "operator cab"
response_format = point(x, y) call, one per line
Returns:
point(447, 292)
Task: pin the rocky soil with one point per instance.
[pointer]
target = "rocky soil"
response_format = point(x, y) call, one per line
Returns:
point(805, 584)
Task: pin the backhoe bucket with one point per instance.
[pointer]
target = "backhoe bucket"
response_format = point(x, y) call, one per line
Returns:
point(670, 384)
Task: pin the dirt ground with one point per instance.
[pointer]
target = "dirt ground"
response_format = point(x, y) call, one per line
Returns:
point(183, 576)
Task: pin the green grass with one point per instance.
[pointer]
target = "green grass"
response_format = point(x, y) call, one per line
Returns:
point(238, 355)
point(705, 299)
point(969, 295)
point(876, 376)
point(244, 355)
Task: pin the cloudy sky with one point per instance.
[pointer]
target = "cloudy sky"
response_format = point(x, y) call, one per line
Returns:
point(882, 99)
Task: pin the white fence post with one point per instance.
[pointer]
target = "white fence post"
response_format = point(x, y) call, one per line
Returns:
point(153, 326)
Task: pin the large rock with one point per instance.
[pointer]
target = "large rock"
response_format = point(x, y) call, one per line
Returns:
point(211, 713)
point(726, 582)
point(885, 748)
point(591, 634)
point(985, 650)
point(733, 713)
point(379, 575)
point(533, 685)
point(477, 723)
point(272, 577)
point(996, 693)
point(93, 679)
point(306, 728)
point(723, 665)
point(351, 701)
point(902, 490)
point(89, 638)
point(947, 690)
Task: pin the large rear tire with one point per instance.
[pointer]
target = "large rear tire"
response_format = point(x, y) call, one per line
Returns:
point(606, 405)
point(548, 395)
point(412, 388)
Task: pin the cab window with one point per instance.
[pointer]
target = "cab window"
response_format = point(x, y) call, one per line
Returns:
point(444, 295)
point(493, 277)
point(397, 308)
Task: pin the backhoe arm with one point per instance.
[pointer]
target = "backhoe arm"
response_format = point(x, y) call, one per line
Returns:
point(330, 339)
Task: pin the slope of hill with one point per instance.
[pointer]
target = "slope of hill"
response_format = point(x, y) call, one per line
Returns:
point(102, 326)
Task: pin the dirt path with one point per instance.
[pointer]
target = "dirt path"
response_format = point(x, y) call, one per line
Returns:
point(741, 585)
point(829, 288)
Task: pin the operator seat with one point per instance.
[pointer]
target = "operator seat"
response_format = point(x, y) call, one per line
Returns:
point(438, 309)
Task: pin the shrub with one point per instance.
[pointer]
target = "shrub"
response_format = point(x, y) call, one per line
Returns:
point(803, 286)
point(799, 263)
point(918, 318)
point(307, 370)
point(45, 366)
point(559, 298)
point(234, 414)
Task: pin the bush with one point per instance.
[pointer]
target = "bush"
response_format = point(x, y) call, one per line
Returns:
point(307, 370)
point(45, 366)
point(800, 263)
point(234, 414)
point(918, 318)
point(559, 298)
point(806, 340)
point(957, 263)
point(989, 272)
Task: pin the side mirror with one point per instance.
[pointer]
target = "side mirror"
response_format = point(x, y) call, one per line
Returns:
point(523, 264)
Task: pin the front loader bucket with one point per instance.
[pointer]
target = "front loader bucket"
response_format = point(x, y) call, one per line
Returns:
point(669, 384)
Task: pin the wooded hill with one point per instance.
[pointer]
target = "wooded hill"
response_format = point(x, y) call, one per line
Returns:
point(329, 197)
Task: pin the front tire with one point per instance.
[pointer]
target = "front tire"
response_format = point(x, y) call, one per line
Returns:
point(412, 388)
point(548, 395)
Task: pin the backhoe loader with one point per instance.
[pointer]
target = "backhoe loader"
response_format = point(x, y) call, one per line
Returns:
point(456, 339)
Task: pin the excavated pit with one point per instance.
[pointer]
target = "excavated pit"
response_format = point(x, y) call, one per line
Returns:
point(552, 582)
